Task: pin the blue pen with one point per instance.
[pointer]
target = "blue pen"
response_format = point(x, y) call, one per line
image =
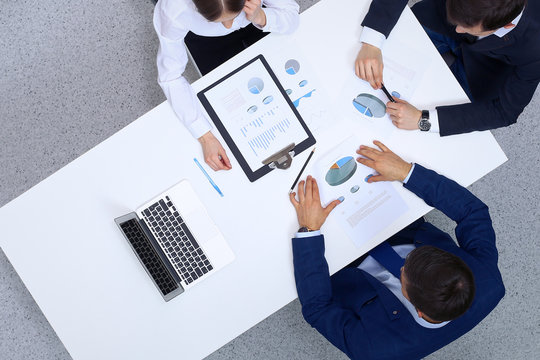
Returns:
point(208, 177)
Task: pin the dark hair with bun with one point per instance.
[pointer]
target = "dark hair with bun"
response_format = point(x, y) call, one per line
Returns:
point(212, 9)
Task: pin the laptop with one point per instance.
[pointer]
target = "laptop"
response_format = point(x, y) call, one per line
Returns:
point(175, 240)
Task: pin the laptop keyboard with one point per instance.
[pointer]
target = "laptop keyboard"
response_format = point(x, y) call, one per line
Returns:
point(185, 254)
point(149, 257)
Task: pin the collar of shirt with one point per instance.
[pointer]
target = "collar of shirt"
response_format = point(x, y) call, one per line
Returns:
point(503, 31)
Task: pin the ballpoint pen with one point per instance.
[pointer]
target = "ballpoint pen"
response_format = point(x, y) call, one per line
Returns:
point(301, 171)
point(387, 94)
point(208, 177)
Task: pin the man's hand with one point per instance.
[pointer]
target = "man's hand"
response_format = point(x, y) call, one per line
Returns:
point(403, 115)
point(254, 12)
point(214, 154)
point(369, 65)
point(389, 166)
point(309, 210)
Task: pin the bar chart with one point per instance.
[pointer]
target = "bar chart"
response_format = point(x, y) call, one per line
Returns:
point(261, 132)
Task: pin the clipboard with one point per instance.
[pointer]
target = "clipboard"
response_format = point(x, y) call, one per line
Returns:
point(256, 118)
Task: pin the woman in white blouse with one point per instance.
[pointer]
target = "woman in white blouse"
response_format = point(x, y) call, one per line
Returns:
point(215, 30)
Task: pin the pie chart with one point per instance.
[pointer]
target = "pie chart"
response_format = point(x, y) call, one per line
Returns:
point(292, 67)
point(255, 85)
point(369, 105)
point(341, 171)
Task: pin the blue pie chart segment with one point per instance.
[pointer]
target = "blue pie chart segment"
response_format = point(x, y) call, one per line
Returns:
point(255, 85)
point(341, 171)
point(369, 105)
point(292, 67)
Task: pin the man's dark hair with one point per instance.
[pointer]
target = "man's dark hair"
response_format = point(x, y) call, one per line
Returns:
point(438, 283)
point(212, 9)
point(491, 14)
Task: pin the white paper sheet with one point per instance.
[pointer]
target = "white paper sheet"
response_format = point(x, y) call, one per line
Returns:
point(255, 114)
point(361, 102)
point(305, 90)
point(367, 208)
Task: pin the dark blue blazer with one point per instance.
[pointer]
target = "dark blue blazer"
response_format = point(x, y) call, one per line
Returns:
point(361, 317)
point(503, 73)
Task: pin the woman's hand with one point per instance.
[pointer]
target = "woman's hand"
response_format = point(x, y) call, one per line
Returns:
point(255, 13)
point(214, 154)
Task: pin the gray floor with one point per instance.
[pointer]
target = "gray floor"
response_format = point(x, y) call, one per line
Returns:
point(74, 73)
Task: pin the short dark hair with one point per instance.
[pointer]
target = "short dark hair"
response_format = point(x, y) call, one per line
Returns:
point(490, 14)
point(438, 283)
point(212, 9)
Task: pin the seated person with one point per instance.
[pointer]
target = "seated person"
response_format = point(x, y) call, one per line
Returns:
point(214, 31)
point(493, 49)
point(416, 292)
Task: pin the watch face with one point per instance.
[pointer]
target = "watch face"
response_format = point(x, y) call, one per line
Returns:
point(424, 125)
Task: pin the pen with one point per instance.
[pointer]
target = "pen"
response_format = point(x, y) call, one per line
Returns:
point(208, 177)
point(301, 171)
point(387, 94)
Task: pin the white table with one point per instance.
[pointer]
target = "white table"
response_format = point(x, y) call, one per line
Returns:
point(92, 289)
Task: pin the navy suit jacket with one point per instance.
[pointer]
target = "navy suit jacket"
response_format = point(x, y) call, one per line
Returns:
point(503, 73)
point(361, 317)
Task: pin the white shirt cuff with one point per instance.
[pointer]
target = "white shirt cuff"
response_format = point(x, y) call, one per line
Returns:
point(199, 127)
point(372, 37)
point(409, 174)
point(307, 234)
point(434, 120)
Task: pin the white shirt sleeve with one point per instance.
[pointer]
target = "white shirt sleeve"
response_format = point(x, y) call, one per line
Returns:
point(434, 120)
point(282, 16)
point(372, 37)
point(171, 62)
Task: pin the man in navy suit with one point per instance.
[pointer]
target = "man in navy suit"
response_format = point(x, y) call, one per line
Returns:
point(493, 47)
point(407, 300)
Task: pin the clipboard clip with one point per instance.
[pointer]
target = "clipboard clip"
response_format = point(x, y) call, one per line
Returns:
point(282, 159)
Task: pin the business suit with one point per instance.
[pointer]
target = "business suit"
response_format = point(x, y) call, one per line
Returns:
point(360, 316)
point(502, 73)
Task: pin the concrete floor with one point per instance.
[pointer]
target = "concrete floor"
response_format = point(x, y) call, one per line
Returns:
point(74, 73)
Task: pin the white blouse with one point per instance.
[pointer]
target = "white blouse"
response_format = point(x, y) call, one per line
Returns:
point(172, 21)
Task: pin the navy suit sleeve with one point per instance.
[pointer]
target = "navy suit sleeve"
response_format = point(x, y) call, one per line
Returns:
point(337, 324)
point(383, 15)
point(516, 92)
point(474, 230)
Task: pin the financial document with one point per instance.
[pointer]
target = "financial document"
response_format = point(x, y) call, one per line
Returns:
point(366, 208)
point(359, 101)
point(302, 84)
point(255, 114)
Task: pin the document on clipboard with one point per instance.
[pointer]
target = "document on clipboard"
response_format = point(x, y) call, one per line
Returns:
point(255, 117)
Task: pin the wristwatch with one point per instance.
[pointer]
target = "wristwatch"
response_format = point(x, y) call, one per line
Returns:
point(423, 123)
point(304, 229)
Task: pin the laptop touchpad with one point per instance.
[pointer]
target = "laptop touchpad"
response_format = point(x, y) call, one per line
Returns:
point(201, 226)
